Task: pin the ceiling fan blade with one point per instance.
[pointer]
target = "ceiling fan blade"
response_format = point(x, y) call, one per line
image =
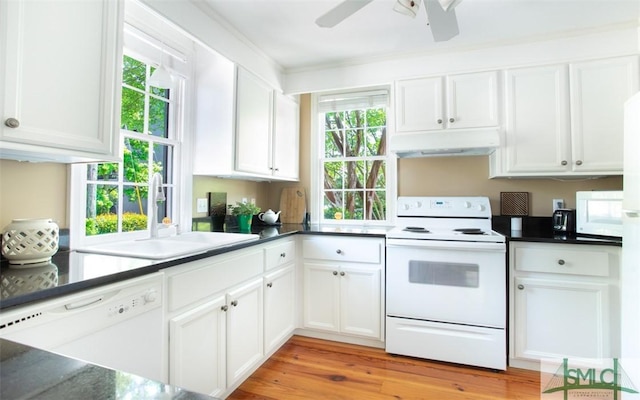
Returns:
point(340, 12)
point(444, 24)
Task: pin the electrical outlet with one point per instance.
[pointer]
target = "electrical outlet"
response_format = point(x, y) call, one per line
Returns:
point(244, 200)
point(558, 203)
point(201, 205)
point(253, 201)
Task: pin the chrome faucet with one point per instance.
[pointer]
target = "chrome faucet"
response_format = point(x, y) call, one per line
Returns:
point(157, 195)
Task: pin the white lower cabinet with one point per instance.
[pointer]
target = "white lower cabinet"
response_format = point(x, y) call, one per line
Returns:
point(227, 313)
point(197, 348)
point(244, 329)
point(344, 297)
point(279, 306)
point(564, 302)
point(215, 311)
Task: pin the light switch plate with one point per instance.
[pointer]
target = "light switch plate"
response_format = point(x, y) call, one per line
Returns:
point(201, 205)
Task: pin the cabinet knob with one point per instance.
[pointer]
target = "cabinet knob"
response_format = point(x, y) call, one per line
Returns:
point(439, 121)
point(564, 162)
point(520, 287)
point(342, 273)
point(579, 162)
point(283, 255)
point(452, 120)
point(234, 303)
point(270, 284)
point(339, 251)
point(335, 273)
point(224, 308)
point(12, 123)
point(276, 169)
point(561, 262)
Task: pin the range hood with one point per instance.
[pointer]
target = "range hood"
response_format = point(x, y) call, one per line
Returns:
point(453, 142)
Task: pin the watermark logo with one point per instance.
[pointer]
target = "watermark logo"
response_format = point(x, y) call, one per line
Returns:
point(579, 381)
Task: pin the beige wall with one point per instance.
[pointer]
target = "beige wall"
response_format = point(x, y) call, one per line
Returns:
point(235, 189)
point(452, 176)
point(33, 190)
point(40, 190)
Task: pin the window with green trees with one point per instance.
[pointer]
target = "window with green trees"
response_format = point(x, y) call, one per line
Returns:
point(354, 159)
point(117, 193)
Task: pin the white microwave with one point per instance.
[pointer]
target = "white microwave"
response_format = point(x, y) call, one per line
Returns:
point(599, 213)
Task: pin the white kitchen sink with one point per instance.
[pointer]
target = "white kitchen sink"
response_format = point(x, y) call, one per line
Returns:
point(188, 243)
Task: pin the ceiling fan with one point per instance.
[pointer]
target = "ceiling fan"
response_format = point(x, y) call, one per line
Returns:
point(441, 16)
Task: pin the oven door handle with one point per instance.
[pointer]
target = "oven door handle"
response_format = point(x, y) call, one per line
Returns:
point(445, 245)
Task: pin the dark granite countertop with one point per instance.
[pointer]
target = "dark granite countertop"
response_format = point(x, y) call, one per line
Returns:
point(71, 271)
point(540, 229)
point(30, 373)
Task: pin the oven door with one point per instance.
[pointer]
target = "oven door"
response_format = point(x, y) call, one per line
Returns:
point(447, 281)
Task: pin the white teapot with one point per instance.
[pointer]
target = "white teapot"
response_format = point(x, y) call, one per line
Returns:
point(269, 217)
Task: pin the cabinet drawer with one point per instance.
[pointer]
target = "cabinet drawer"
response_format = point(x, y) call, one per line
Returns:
point(279, 254)
point(562, 259)
point(336, 248)
point(215, 275)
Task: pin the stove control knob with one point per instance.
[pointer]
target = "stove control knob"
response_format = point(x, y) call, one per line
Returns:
point(467, 204)
point(418, 204)
point(406, 206)
point(480, 207)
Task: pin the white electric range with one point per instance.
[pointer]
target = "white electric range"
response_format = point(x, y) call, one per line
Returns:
point(446, 282)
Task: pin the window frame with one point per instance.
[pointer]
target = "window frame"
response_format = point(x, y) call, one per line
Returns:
point(143, 29)
point(317, 158)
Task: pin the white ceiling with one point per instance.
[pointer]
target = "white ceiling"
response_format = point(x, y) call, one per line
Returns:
point(285, 30)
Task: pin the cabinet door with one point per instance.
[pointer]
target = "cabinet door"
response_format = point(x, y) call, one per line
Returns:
point(244, 329)
point(254, 109)
point(360, 300)
point(58, 78)
point(599, 90)
point(197, 348)
point(537, 120)
point(322, 297)
point(472, 100)
point(279, 311)
point(286, 137)
point(556, 319)
point(419, 105)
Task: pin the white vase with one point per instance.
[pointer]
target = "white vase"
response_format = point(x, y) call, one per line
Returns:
point(27, 241)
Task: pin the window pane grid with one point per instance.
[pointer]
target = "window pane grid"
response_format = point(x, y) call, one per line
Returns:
point(354, 165)
point(118, 193)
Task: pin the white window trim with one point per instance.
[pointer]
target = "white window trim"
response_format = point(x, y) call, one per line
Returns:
point(173, 41)
point(316, 144)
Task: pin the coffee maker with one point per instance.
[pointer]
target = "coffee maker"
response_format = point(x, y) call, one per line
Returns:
point(564, 221)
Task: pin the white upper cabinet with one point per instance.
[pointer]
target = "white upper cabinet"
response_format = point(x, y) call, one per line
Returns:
point(472, 100)
point(537, 120)
point(60, 77)
point(419, 105)
point(599, 90)
point(254, 119)
point(286, 138)
point(565, 120)
point(244, 128)
point(455, 102)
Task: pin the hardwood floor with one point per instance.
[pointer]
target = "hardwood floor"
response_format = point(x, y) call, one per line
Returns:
point(306, 368)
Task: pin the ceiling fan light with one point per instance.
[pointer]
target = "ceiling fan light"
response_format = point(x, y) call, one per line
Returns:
point(407, 7)
point(449, 4)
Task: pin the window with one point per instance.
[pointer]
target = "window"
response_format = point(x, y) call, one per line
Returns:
point(354, 166)
point(117, 193)
point(110, 200)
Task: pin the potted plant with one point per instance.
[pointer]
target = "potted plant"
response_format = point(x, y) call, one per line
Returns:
point(244, 213)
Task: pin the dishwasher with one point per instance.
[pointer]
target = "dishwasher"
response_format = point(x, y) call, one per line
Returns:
point(118, 326)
